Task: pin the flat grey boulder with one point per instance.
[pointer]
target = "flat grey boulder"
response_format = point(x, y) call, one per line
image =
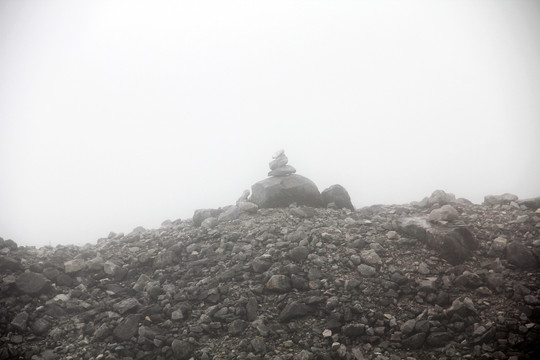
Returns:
point(277, 192)
point(519, 255)
point(444, 213)
point(533, 203)
point(338, 195)
point(32, 283)
point(455, 244)
point(202, 214)
point(499, 199)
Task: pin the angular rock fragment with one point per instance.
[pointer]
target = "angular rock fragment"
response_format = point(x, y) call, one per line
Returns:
point(294, 310)
point(20, 321)
point(279, 283)
point(127, 328)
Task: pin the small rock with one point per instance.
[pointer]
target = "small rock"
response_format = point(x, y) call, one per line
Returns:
point(20, 321)
point(127, 328)
point(280, 283)
point(40, 326)
point(237, 327)
point(294, 310)
point(370, 257)
point(141, 282)
point(126, 305)
point(182, 350)
point(259, 346)
point(299, 254)
point(497, 246)
point(366, 270)
point(75, 265)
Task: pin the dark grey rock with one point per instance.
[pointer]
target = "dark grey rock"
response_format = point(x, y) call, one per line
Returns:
point(251, 309)
point(126, 305)
point(408, 327)
point(32, 283)
point(127, 327)
point(40, 326)
point(9, 264)
point(439, 339)
point(497, 247)
point(261, 264)
point(415, 341)
point(299, 253)
point(462, 307)
point(237, 327)
point(64, 280)
point(354, 330)
point(283, 191)
point(519, 255)
point(338, 195)
point(366, 270)
point(182, 349)
point(468, 279)
point(294, 310)
point(532, 203)
point(280, 283)
point(453, 243)
point(102, 332)
point(20, 321)
point(259, 346)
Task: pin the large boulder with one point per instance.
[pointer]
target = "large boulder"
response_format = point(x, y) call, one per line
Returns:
point(282, 191)
point(338, 195)
point(533, 203)
point(455, 244)
point(499, 199)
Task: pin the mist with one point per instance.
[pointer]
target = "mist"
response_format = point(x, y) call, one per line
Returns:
point(117, 114)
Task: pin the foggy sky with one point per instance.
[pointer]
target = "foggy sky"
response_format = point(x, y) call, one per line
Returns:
point(115, 114)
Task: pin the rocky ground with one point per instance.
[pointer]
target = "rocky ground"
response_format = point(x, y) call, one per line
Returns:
point(380, 282)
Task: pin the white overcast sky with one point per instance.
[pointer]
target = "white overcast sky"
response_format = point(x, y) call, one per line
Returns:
point(115, 114)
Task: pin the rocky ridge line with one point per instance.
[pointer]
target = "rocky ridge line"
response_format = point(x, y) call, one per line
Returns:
point(243, 282)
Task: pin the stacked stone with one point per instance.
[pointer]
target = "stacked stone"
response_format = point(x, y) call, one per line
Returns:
point(279, 167)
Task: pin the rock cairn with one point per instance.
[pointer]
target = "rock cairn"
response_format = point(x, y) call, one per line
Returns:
point(278, 166)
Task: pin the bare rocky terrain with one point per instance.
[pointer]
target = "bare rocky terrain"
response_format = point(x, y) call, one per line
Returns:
point(438, 279)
